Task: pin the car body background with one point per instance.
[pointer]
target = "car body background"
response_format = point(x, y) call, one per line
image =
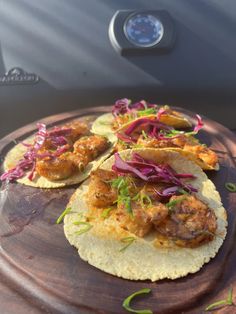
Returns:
point(66, 44)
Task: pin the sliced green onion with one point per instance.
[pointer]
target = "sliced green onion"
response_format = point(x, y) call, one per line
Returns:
point(182, 191)
point(126, 200)
point(146, 112)
point(60, 218)
point(172, 133)
point(87, 227)
point(230, 186)
point(105, 213)
point(136, 197)
point(230, 296)
point(117, 183)
point(126, 302)
point(128, 241)
point(175, 202)
point(122, 185)
point(217, 304)
point(144, 134)
point(144, 199)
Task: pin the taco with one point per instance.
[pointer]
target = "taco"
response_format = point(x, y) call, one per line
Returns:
point(146, 214)
point(124, 112)
point(150, 132)
point(55, 158)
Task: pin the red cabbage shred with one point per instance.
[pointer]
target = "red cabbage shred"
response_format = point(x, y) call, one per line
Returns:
point(28, 162)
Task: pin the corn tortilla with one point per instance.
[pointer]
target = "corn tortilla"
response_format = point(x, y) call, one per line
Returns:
point(194, 158)
point(17, 152)
point(101, 245)
point(103, 124)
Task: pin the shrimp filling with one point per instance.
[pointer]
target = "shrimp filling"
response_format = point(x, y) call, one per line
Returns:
point(78, 150)
point(141, 208)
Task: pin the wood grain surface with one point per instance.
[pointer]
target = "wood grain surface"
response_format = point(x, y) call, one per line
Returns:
point(41, 273)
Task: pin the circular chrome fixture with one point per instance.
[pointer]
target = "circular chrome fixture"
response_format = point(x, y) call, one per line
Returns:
point(143, 30)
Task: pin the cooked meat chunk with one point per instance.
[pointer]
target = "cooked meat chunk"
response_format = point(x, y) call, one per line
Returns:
point(142, 218)
point(78, 129)
point(55, 168)
point(154, 213)
point(190, 222)
point(80, 161)
point(101, 193)
point(179, 141)
point(187, 143)
point(202, 152)
point(91, 146)
point(86, 149)
point(133, 223)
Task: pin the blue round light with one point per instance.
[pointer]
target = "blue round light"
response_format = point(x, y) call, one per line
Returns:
point(143, 30)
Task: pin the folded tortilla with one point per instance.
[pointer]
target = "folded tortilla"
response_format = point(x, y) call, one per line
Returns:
point(101, 245)
point(103, 125)
point(17, 152)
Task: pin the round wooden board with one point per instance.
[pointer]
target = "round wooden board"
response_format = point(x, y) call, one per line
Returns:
point(40, 266)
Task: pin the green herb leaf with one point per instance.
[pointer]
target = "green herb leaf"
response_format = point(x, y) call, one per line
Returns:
point(190, 133)
point(146, 112)
point(87, 227)
point(171, 204)
point(126, 200)
point(144, 134)
point(221, 303)
point(136, 197)
point(216, 305)
point(230, 296)
point(182, 191)
point(117, 183)
point(122, 185)
point(172, 133)
point(126, 303)
point(105, 213)
point(128, 241)
point(60, 218)
point(230, 186)
point(143, 198)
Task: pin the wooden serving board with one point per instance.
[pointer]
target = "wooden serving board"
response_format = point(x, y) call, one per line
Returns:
point(46, 275)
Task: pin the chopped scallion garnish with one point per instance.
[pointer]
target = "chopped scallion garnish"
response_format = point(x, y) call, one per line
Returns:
point(105, 213)
point(146, 112)
point(126, 303)
point(221, 303)
point(182, 191)
point(144, 134)
point(60, 218)
point(122, 185)
point(87, 227)
point(128, 241)
point(143, 198)
point(230, 186)
point(172, 203)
